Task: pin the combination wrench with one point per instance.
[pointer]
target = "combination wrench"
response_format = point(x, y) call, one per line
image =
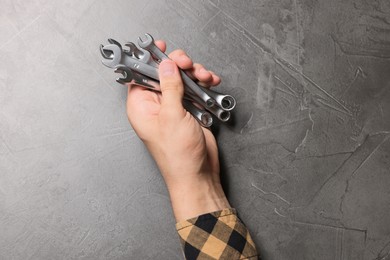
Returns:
point(152, 72)
point(226, 102)
point(131, 77)
point(114, 57)
point(139, 65)
point(142, 55)
point(149, 45)
point(220, 113)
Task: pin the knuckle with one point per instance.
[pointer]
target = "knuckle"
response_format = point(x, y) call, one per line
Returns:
point(170, 84)
point(177, 52)
point(198, 65)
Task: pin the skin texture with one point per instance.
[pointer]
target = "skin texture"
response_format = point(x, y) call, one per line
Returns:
point(185, 152)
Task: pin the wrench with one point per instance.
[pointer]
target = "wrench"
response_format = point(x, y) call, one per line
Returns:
point(106, 54)
point(227, 102)
point(133, 50)
point(133, 77)
point(203, 117)
point(149, 45)
point(133, 63)
point(141, 54)
point(137, 72)
point(111, 54)
point(221, 114)
point(140, 67)
point(112, 41)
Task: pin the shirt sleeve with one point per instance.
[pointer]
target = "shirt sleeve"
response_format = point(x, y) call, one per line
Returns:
point(216, 235)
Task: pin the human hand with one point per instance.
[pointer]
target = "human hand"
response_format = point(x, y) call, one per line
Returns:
point(185, 152)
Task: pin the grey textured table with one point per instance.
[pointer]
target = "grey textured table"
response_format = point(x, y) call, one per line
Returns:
point(306, 159)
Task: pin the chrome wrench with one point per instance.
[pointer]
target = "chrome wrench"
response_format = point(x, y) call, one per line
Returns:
point(116, 58)
point(226, 102)
point(133, 77)
point(203, 117)
point(221, 114)
point(152, 72)
point(150, 46)
point(113, 56)
point(140, 54)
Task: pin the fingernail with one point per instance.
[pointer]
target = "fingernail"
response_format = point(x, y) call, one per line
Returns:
point(203, 70)
point(167, 68)
point(184, 58)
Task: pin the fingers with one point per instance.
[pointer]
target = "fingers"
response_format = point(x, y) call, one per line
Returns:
point(199, 72)
point(196, 71)
point(216, 79)
point(206, 77)
point(181, 58)
point(161, 45)
point(172, 89)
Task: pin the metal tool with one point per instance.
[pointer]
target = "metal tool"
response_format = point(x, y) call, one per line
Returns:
point(106, 54)
point(226, 102)
point(221, 114)
point(139, 66)
point(149, 45)
point(131, 77)
point(112, 55)
point(117, 58)
point(112, 41)
point(133, 50)
point(139, 53)
point(203, 117)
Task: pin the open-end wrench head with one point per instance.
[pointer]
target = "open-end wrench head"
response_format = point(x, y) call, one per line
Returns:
point(135, 51)
point(142, 55)
point(105, 54)
point(112, 41)
point(126, 73)
point(132, 48)
point(147, 42)
point(115, 55)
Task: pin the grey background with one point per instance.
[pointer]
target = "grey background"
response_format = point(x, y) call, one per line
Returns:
point(306, 160)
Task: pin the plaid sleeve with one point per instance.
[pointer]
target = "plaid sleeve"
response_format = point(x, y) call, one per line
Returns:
point(216, 235)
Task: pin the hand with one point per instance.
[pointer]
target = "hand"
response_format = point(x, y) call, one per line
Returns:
point(185, 152)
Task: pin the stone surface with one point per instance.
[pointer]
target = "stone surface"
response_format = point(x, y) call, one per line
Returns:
point(305, 160)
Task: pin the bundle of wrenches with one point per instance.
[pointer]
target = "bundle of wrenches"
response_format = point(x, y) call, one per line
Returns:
point(139, 66)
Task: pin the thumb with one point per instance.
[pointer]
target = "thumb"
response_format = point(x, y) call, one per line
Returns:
point(171, 85)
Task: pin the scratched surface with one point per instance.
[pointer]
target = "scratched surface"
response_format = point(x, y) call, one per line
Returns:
point(305, 160)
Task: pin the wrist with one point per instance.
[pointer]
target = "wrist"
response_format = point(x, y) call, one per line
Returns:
point(196, 197)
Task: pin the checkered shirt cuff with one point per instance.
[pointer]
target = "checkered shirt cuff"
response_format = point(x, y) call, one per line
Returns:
point(216, 235)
